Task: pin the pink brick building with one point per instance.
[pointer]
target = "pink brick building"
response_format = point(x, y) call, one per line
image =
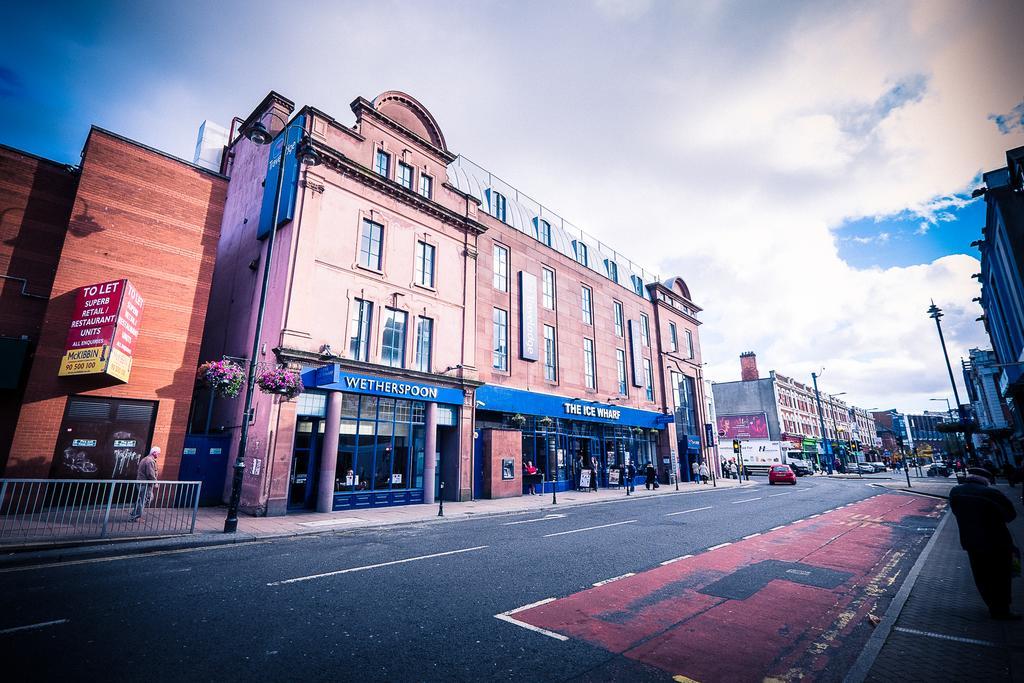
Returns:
point(447, 327)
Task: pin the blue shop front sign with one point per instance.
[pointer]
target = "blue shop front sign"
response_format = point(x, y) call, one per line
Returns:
point(693, 443)
point(502, 399)
point(333, 378)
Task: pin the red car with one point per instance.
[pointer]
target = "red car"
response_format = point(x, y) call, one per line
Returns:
point(781, 473)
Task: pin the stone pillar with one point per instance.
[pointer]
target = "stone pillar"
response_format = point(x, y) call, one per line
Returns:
point(429, 447)
point(329, 454)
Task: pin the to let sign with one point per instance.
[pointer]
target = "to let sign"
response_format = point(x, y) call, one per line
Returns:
point(103, 329)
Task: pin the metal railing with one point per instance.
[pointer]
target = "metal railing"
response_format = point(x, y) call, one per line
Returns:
point(51, 510)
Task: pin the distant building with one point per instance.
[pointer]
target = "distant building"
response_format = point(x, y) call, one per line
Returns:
point(927, 440)
point(982, 373)
point(1002, 283)
point(780, 408)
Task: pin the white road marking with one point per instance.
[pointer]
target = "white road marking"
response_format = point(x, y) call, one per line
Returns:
point(776, 528)
point(745, 500)
point(332, 522)
point(589, 528)
point(507, 616)
point(138, 556)
point(676, 559)
point(813, 516)
point(751, 535)
point(375, 566)
point(683, 512)
point(614, 578)
point(32, 627)
point(772, 495)
point(545, 518)
point(798, 572)
point(942, 636)
point(720, 545)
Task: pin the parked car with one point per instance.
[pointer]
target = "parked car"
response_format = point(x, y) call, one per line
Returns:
point(781, 473)
point(878, 466)
point(937, 469)
point(863, 468)
point(800, 467)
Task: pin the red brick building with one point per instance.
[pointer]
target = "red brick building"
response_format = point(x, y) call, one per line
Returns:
point(131, 213)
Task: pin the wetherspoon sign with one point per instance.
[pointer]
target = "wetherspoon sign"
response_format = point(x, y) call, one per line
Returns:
point(103, 330)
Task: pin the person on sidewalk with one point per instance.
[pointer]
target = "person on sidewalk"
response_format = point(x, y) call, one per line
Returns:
point(649, 475)
point(982, 513)
point(531, 477)
point(631, 476)
point(705, 473)
point(144, 492)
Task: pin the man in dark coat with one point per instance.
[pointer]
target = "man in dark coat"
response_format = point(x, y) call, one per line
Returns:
point(982, 513)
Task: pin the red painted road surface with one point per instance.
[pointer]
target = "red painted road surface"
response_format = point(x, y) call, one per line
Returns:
point(789, 604)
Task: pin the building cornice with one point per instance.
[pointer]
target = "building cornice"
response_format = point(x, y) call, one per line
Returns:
point(363, 107)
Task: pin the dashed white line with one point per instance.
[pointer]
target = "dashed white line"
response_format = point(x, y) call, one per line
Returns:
point(615, 578)
point(813, 516)
point(589, 528)
point(772, 495)
point(751, 535)
point(745, 500)
point(507, 616)
point(683, 512)
point(545, 518)
point(32, 627)
point(676, 559)
point(776, 528)
point(375, 566)
point(720, 545)
point(943, 636)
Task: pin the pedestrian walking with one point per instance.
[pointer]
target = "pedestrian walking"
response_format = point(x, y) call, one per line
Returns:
point(982, 513)
point(705, 473)
point(631, 476)
point(649, 476)
point(144, 491)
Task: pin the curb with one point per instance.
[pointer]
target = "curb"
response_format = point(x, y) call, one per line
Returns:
point(912, 492)
point(862, 666)
point(16, 558)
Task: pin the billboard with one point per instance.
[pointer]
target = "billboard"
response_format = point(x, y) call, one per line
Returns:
point(752, 426)
point(102, 332)
point(289, 138)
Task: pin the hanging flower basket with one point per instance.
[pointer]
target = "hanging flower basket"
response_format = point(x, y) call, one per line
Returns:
point(223, 376)
point(518, 421)
point(545, 422)
point(654, 432)
point(638, 431)
point(280, 381)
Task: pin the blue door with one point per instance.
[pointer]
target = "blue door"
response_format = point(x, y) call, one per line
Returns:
point(205, 459)
point(478, 467)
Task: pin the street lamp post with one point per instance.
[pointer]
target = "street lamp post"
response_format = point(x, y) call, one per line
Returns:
point(258, 134)
point(935, 313)
point(821, 422)
point(949, 416)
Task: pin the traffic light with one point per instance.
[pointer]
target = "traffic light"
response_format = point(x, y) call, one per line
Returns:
point(735, 445)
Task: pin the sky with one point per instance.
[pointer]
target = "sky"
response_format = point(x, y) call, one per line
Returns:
point(805, 167)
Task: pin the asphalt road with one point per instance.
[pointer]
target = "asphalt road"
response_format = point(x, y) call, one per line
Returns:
point(406, 603)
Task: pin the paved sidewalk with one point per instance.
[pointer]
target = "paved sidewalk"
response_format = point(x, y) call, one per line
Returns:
point(210, 522)
point(943, 631)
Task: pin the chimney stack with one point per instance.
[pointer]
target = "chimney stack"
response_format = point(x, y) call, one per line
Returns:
point(748, 366)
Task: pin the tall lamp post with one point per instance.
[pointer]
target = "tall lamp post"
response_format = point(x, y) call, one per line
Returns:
point(259, 135)
point(829, 458)
point(949, 416)
point(935, 313)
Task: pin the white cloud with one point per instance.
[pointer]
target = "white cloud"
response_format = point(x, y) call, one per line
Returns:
point(722, 142)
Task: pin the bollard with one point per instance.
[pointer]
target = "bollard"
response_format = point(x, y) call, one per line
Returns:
point(554, 492)
point(440, 505)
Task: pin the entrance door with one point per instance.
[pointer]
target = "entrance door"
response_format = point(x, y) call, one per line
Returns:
point(304, 465)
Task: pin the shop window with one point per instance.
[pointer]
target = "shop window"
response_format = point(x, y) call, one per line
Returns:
point(311, 404)
point(380, 446)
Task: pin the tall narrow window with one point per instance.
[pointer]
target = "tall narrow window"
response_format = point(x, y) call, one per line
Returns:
point(499, 355)
point(648, 379)
point(424, 264)
point(620, 365)
point(404, 175)
point(498, 206)
point(426, 185)
point(370, 245)
point(550, 355)
point(392, 350)
point(619, 319)
point(359, 330)
point(689, 344)
point(544, 232)
point(673, 337)
point(645, 329)
point(611, 269)
point(382, 164)
point(581, 253)
point(675, 378)
point(587, 305)
point(638, 285)
point(549, 288)
point(500, 268)
point(589, 367)
point(424, 342)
